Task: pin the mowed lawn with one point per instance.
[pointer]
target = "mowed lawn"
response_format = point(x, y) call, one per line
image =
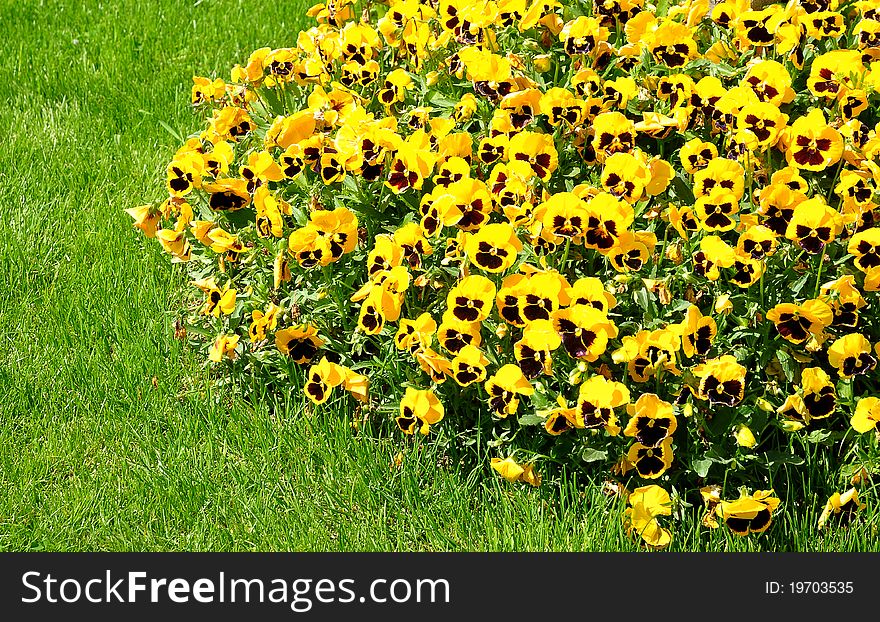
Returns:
point(110, 435)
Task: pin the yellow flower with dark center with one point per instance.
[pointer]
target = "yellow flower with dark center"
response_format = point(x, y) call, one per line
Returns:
point(385, 255)
point(851, 355)
point(409, 168)
point(764, 120)
point(310, 247)
point(813, 225)
point(597, 399)
point(492, 149)
point(471, 300)
point(813, 144)
point(324, 376)
point(454, 334)
point(561, 419)
point(564, 215)
point(539, 296)
point(715, 210)
point(696, 154)
point(268, 221)
point(537, 150)
point(632, 250)
point(415, 334)
point(331, 166)
point(832, 71)
point(262, 321)
point(217, 301)
point(678, 89)
point(844, 506)
point(467, 205)
point(651, 420)
point(683, 220)
point(411, 239)
point(184, 173)
point(857, 189)
point(758, 242)
point(469, 366)
point(493, 247)
point(419, 410)
point(648, 352)
point(697, 332)
point(608, 220)
point(758, 27)
point(383, 299)
point(322, 379)
point(339, 227)
point(790, 177)
point(625, 176)
point(647, 503)
point(395, 87)
point(796, 322)
point(299, 343)
point(867, 415)
point(560, 105)
point(612, 133)
point(865, 247)
point(867, 34)
point(770, 81)
point(582, 35)
point(584, 331)
point(217, 161)
point(750, 513)
point(232, 123)
point(228, 194)
point(746, 270)
point(714, 254)
point(503, 388)
point(777, 203)
point(651, 462)
point(589, 291)
point(205, 90)
point(260, 168)
point(279, 65)
point(533, 351)
point(292, 161)
point(224, 345)
point(672, 44)
point(852, 102)
point(819, 397)
point(845, 300)
point(452, 170)
point(720, 174)
point(722, 380)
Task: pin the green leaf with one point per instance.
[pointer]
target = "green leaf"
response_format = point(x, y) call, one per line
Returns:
point(531, 419)
point(788, 364)
point(701, 466)
point(820, 436)
point(593, 455)
point(775, 458)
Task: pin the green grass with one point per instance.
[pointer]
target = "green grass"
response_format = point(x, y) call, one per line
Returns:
point(109, 435)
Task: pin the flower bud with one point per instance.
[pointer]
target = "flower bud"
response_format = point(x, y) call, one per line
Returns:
point(542, 63)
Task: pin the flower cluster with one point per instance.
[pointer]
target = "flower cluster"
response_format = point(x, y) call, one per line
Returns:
point(612, 235)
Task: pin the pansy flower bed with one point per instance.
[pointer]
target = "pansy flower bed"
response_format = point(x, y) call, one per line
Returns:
point(638, 241)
